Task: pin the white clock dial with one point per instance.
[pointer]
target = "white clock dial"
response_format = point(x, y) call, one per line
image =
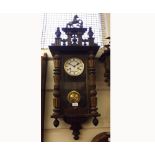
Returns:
point(74, 66)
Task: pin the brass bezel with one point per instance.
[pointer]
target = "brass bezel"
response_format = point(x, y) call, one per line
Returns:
point(73, 92)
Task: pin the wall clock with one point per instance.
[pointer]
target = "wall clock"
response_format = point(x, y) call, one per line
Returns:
point(75, 92)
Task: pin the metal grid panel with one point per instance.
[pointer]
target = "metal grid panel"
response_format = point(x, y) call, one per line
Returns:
point(53, 20)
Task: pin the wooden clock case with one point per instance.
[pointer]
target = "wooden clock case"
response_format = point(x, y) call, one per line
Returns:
point(74, 47)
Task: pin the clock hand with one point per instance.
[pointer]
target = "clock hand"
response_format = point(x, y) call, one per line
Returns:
point(76, 64)
point(71, 64)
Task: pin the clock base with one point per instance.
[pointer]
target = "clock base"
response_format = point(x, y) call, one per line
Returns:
point(75, 122)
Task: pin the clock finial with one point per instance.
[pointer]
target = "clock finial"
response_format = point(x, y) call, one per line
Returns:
point(58, 33)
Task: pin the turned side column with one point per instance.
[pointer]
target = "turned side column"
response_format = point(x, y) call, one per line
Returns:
point(56, 92)
point(92, 86)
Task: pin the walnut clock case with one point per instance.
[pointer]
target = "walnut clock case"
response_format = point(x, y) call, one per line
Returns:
point(74, 76)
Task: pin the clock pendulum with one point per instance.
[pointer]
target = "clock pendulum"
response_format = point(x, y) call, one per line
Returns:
point(74, 92)
point(73, 96)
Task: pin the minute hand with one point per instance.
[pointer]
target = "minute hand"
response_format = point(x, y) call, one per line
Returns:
point(71, 64)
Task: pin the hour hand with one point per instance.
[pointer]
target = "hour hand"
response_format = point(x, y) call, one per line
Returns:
point(76, 64)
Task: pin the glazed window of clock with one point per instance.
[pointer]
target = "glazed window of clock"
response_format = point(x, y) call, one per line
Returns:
point(74, 66)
